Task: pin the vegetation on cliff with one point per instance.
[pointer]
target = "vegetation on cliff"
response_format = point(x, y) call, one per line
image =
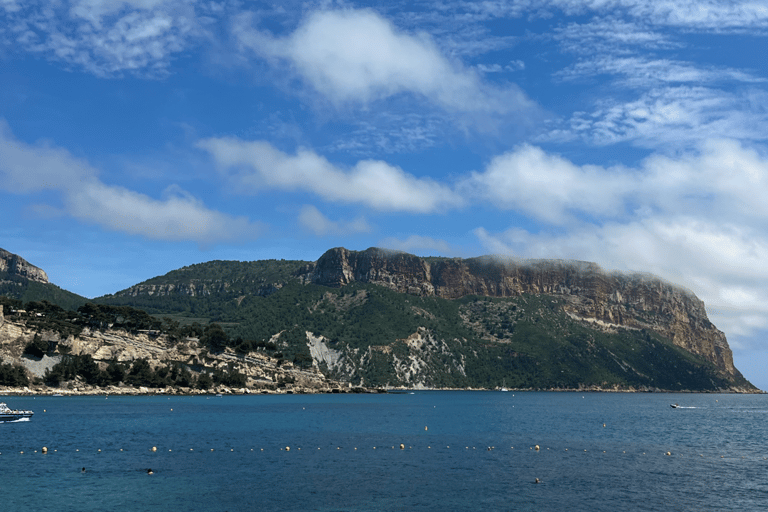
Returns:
point(377, 318)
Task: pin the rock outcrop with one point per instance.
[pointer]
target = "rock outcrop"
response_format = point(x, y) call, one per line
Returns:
point(608, 299)
point(18, 266)
point(263, 373)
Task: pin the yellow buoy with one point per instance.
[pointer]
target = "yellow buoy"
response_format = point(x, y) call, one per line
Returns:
point(536, 447)
point(154, 448)
point(425, 428)
point(402, 446)
point(44, 450)
point(287, 448)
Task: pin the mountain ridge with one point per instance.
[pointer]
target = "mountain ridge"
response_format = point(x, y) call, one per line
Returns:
point(387, 318)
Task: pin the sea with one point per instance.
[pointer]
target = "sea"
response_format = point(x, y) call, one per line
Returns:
point(410, 451)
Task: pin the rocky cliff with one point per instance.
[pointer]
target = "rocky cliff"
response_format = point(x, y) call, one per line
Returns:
point(262, 373)
point(607, 299)
point(16, 265)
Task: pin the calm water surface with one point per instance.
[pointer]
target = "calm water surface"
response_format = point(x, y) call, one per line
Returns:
point(598, 452)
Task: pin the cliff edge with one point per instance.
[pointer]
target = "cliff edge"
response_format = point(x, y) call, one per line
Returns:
point(607, 299)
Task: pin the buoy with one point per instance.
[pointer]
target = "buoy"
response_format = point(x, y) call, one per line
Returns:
point(603, 425)
point(402, 446)
point(669, 453)
point(154, 448)
point(150, 472)
point(99, 450)
point(425, 428)
point(536, 447)
point(537, 481)
point(287, 448)
point(44, 450)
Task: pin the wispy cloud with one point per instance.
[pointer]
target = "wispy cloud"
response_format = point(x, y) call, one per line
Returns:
point(107, 37)
point(257, 165)
point(313, 220)
point(419, 245)
point(642, 72)
point(672, 116)
point(29, 169)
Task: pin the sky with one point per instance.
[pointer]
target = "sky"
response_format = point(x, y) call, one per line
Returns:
point(140, 136)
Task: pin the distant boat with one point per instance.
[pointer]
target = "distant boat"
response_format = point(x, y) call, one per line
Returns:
point(674, 406)
point(504, 386)
point(8, 414)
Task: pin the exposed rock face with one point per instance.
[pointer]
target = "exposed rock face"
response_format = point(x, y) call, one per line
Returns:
point(261, 371)
point(16, 265)
point(612, 299)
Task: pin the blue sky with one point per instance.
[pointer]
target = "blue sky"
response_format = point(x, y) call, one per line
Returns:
point(139, 136)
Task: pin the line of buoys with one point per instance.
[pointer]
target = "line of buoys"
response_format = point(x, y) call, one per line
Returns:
point(402, 446)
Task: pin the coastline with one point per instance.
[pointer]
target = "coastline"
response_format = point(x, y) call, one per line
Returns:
point(222, 390)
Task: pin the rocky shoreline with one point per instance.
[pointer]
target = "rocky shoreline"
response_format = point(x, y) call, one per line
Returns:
point(223, 390)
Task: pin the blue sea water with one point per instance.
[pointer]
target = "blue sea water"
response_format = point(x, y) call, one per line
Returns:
point(597, 452)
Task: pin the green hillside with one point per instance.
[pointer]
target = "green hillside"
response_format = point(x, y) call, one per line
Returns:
point(25, 290)
point(522, 342)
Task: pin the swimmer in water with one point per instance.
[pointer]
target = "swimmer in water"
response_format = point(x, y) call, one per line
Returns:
point(82, 470)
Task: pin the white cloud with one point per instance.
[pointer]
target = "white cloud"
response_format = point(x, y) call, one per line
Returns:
point(176, 218)
point(696, 219)
point(358, 56)
point(32, 168)
point(312, 219)
point(257, 165)
point(548, 187)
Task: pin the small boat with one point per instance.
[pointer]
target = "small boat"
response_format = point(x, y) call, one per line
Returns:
point(8, 414)
point(674, 406)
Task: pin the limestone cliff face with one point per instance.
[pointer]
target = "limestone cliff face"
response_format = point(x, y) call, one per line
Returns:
point(261, 371)
point(16, 265)
point(608, 299)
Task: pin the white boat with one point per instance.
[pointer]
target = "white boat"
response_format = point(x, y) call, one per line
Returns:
point(8, 414)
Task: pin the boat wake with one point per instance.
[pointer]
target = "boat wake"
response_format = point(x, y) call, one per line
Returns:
point(16, 421)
